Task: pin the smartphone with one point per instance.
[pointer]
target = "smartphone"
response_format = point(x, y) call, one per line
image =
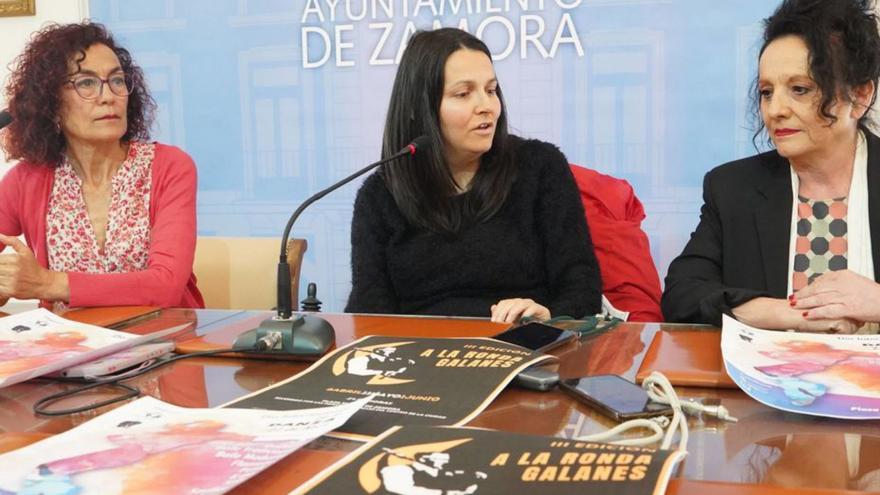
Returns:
point(536, 336)
point(615, 397)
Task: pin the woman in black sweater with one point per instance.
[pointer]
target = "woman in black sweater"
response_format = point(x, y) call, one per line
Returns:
point(481, 224)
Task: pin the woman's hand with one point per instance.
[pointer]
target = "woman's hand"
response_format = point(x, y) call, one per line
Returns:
point(512, 310)
point(778, 314)
point(840, 294)
point(21, 276)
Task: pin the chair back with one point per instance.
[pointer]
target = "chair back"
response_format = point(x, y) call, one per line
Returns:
point(239, 272)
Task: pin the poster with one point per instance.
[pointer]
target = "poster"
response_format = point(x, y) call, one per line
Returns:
point(415, 381)
point(818, 374)
point(38, 342)
point(148, 446)
point(464, 461)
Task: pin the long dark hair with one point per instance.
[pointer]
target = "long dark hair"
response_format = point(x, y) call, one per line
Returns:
point(424, 189)
point(34, 97)
point(844, 47)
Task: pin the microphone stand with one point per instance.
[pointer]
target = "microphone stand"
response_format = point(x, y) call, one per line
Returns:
point(304, 335)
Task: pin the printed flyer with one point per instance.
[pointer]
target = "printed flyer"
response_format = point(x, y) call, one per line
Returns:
point(828, 375)
point(464, 461)
point(416, 381)
point(148, 446)
point(38, 342)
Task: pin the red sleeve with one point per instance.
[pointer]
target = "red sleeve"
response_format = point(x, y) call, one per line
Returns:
point(10, 188)
point(172, 244)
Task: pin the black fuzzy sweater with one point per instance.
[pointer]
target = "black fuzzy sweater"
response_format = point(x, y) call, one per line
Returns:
point(537, 246)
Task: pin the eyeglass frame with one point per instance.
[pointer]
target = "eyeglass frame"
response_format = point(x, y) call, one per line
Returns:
point(128, 83)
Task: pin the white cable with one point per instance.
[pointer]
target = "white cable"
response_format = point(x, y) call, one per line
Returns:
point(650, 424)
point(689, 406)
point(660, 390)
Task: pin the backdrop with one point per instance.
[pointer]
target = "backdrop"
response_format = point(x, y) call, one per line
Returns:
point(276, 99)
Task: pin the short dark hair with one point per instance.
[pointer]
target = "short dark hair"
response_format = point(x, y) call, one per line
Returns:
point(424, 188)
point(34, 97)
point(843, 42)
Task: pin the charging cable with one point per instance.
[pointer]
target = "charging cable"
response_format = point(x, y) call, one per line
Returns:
point(658, 393)
point(660, 390)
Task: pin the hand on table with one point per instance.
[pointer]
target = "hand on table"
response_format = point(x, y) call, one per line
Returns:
point(512, 310)
point(840, 294)
point(778, 314)
point(829, 325)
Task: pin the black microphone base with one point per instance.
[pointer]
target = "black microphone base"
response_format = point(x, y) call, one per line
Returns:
point(301, 335)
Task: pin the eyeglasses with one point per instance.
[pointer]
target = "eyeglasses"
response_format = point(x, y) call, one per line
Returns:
point(91, 87)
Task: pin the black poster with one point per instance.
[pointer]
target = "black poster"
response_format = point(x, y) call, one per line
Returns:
point(414, 381)
point(415, 460)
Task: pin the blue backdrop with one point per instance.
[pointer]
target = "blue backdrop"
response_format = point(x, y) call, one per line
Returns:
point(275, 99)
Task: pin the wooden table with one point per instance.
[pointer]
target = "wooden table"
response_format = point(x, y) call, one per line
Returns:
point(767, 451)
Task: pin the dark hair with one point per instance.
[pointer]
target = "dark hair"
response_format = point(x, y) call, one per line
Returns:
point(424, 188)
point(843, 43)
point(35, 100)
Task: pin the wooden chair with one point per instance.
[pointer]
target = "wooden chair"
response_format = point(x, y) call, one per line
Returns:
point(239, 272)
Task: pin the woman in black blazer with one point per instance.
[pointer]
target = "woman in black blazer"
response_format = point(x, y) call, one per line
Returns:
point(769, 258)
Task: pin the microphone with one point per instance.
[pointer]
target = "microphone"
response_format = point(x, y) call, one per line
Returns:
point(307, 335)
point(5, 118)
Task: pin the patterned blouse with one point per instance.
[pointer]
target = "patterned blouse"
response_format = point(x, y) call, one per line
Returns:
point(71, 241)
point(821, 244)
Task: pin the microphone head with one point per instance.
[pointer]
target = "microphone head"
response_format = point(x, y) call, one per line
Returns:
point(419, 145)
point(5, 118)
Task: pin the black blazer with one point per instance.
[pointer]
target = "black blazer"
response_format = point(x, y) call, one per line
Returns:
point(740, 248)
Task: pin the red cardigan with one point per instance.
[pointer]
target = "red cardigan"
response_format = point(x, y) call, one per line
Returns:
point(168, 280)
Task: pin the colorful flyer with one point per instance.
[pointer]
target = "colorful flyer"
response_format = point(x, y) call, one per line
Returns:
point(38, 342)
point(148, 446)
point(421, 460)
point(828, 375)
point(415, 381)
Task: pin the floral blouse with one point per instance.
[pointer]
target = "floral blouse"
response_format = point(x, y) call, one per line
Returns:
point(70, 238)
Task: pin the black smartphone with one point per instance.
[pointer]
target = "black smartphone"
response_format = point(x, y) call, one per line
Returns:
point(536, 336)
point(615, 397)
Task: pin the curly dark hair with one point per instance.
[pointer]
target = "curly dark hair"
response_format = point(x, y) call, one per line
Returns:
point(844, 47)
point(34, 93)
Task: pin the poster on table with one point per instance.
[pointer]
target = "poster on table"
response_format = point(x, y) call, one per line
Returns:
point(148, 446)
point(420, 460)
point(415, 381)
point(38, 342)
point(828, 375)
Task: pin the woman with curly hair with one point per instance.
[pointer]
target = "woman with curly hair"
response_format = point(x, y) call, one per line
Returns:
point(790, 239)
point(109, 217)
